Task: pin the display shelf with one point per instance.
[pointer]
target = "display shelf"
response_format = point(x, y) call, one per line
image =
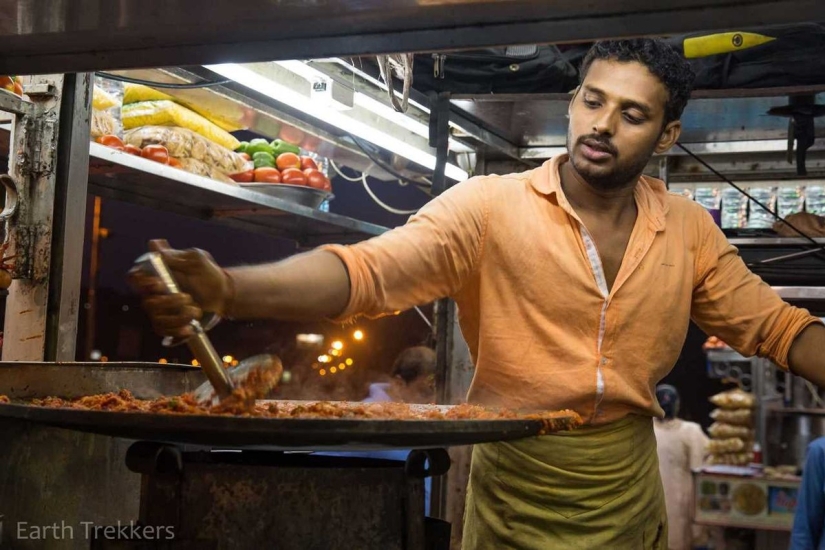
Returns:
point(126, 177)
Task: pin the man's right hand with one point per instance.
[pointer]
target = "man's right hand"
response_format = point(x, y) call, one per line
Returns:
point(204, 286)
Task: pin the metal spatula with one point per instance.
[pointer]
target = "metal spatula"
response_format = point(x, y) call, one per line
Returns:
point(221, 382)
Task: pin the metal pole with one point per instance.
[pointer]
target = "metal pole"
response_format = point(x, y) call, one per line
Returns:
point(32, 154)
point(71, 187)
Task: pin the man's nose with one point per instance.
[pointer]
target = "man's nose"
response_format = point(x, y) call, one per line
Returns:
point(604, 123)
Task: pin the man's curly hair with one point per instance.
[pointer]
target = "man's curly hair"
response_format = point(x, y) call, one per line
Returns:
point(659, 57)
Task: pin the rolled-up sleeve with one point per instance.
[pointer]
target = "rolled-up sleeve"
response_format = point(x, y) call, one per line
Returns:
point(429, 257)
point(734, 304)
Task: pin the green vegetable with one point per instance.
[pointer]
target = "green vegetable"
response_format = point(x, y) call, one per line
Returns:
point(262, 159)
point(242, 148)
point(280, 146)
point(258, 146)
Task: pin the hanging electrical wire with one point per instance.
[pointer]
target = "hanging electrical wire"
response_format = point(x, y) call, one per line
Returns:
point(169, 85)
point(819, 248)
point(373, 156)
point(363, 179)
point(342, 175)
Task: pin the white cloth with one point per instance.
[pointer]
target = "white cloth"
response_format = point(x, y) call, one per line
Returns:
point(681, 446)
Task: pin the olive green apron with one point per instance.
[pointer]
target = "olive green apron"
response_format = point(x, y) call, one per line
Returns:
point(591, 488)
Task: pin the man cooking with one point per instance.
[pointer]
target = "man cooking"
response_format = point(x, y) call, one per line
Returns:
point(575, 283)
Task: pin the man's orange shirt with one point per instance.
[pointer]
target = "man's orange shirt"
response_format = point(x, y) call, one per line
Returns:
point(533, 305)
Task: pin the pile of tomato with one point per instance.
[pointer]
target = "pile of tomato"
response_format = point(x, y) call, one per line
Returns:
point(288, 168)
point(156, 153)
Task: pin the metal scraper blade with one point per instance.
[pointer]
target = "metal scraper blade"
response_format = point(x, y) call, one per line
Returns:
point(252, 379)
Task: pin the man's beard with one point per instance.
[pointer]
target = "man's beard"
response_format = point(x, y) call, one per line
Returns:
point(620, 176)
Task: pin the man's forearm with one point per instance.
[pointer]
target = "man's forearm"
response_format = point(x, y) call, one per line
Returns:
point(309, 286)
point(807, 355)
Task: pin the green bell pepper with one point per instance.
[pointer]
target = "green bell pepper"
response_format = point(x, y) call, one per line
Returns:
point(280, 146)
point(262, 159)
point(258, 146)
point(243, 147)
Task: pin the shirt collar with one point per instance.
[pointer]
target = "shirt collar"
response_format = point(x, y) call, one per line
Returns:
point(651, 193)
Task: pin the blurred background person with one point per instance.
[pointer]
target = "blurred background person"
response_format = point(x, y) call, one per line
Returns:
point(413, 379)
point(809, 518)
point(681, 446)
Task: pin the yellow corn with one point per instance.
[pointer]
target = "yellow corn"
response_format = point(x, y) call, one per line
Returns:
point(102, 100)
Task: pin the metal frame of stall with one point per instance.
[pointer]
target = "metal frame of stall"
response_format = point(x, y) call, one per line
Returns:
point(49, 153)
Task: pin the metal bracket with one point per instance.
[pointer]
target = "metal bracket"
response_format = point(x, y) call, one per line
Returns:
point(15, 104)
point(149, 457)
point(44, 134)
point(40, 90)
point(423, 463)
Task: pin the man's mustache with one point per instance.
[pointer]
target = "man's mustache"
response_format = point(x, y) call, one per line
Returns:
point(599, 142)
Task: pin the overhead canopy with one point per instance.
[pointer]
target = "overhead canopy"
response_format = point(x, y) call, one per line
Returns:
point(39, 36)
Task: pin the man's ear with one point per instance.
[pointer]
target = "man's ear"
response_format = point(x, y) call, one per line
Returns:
point(669, 136)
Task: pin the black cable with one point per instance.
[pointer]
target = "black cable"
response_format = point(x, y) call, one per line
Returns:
point(763, 206)
point(187, 86)
point(365, 147)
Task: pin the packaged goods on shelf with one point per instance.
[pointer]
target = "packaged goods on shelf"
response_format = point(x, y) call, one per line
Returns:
point(731, 459)
point(722, 430)
point(169, 113)
point(103, 100)
point(732, 438)
point(711, 199)
point(758, 217)
point(734, 209)
point(103, 124)
point(183, 143)
point(202, 169)
point(737, 417)
point(226, 115)
point(725, 446)
point(815, 200)
point(106, 97)
point(789, 200)
point(734, 399)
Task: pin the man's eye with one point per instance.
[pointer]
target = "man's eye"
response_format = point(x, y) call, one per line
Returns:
point(590, 103)
point(632, 119)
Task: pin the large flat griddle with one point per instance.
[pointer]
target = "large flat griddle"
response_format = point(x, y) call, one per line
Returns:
point(290, 433)
point(227, 431)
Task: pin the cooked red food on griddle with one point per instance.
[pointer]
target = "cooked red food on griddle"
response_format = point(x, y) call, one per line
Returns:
point(124, 401)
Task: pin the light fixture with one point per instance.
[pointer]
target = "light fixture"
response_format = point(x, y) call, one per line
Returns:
point(195, 363)
point(249, 78)
point(333, 370)
point(162, 361)
point(338, 344)
point(348, 362)
point(322, 372)
point(358, 335)
point(324, 359)
point(227, 358)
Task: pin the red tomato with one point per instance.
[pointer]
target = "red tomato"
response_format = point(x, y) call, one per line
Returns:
point(110, 141)
point(131, 149)
point(18, 88)
point(266, 175)
point(245, 156)
point(7, 83)
point(307, 163)
point(316, 179)
point(174, 163)
point(244, 177)
point(293, 176)
point(157, 153)
point(288, 160)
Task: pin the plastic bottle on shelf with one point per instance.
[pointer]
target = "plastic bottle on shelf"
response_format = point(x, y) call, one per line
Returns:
point(757, 454)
